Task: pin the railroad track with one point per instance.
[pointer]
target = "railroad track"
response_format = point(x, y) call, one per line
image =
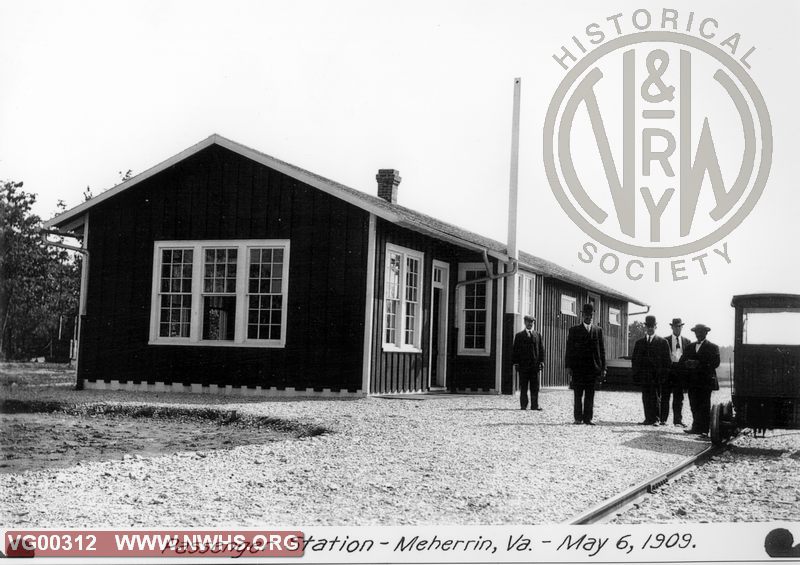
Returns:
point(610, 507)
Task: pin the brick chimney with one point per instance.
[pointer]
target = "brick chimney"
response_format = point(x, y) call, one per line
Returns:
point(388, 179)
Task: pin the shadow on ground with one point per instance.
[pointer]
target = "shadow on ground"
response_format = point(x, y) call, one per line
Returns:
point(41, 435)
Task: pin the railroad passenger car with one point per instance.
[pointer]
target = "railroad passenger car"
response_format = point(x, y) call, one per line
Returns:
point(766, 378)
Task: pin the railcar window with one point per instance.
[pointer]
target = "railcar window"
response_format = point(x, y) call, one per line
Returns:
point(771, 327)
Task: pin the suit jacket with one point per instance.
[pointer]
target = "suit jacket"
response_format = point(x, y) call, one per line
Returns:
point(585, 354)
point(528, 351)
point(676, 375)
point(651, 361)
point(700, 366)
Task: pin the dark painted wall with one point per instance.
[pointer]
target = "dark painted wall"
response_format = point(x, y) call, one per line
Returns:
point(217, 194)
point(394, 371)
point(554, 325)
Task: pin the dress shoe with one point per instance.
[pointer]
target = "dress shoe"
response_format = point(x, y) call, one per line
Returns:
point(691, 431)
point(646, 423)
point(679, 425)
point(655, 424)
point(537, 408)
point(590, 423)
point(577, 422)
point(662, 423)
point(522, 408)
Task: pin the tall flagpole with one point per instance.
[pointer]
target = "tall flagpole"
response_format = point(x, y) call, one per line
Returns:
point(512, 197)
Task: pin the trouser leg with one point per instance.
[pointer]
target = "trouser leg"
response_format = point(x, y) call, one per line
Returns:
point(650, 403)
point(524, 378)
point(677, 405)
point(645, 403)
point(535, 390)
point(705, 410)
point(693, 406)
point(588, 404)
point(578, 410)
point(663, 402)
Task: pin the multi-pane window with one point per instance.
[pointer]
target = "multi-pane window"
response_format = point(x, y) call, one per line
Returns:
point(614, 317)
point(392, 296)
point(475, 311)
point(412, 301)
point(175, 293)
point(569, 305)
point(265, 294)
point(220, 292)
point(525, 295)
point(402, 320)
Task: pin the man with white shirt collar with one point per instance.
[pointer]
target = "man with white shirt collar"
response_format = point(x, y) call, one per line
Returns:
point(585, 360)
point(676, 384)
point(651, 362)
point(528, 359)
point(700, 361)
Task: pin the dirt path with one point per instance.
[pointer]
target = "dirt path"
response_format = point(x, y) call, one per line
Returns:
point(41, 441)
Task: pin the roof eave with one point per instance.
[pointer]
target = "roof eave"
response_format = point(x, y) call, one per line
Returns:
point(63, 218)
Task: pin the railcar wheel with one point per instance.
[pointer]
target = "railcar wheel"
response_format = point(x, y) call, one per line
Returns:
point(727, 412)
point(728, 427)
point(716, 424)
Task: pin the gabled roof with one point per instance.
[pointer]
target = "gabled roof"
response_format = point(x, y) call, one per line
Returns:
point(394, 213)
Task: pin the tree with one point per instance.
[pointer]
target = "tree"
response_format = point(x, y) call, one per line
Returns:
point(38, 284)
point(636, 331)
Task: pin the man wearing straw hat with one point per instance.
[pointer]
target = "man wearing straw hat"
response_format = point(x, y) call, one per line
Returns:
point(700, 361)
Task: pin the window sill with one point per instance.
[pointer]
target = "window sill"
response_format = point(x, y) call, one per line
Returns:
point(394, 349)
point(244, 344)
point(474, 353)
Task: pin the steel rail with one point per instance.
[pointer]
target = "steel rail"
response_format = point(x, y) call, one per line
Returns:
point(608, 507)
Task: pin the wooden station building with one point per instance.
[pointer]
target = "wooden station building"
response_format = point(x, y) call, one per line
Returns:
point(225, 270)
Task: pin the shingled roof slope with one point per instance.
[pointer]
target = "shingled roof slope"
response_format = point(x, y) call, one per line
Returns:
point(392, 212)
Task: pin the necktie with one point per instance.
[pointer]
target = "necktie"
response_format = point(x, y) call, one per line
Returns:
point(529, 333)
point(677, 344)
point(649, 339)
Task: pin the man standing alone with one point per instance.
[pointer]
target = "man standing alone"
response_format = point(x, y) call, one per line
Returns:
point(700, 361)
point(651, 363)
point(585, 360)
point(675, 385)
point(528, 359)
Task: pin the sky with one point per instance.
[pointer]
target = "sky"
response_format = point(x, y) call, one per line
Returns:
point(92, 89)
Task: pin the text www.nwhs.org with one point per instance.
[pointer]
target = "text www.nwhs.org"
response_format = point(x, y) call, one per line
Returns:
point(153, 543)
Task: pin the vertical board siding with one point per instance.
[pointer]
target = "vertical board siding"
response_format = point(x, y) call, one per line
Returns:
point(555, 326)
point(406, 372)
point(217, 194)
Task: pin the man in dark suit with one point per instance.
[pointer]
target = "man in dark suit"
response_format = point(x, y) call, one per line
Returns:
point(528, 359)
point(651, 362)
point(700, 361)
point(676, 383)
point(585, 359)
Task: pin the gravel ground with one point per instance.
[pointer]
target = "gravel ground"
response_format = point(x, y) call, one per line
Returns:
point(437, 459)
point(755, 480)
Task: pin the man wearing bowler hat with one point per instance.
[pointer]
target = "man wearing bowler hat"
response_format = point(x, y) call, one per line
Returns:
point(650, 362)
point(528, 359)
point(700, 361)
point(676, 383)
point(585, 359)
